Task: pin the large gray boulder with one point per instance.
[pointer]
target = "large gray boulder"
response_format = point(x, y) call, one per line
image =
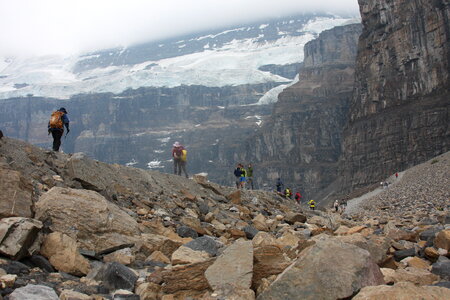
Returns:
point(35, 292)
point(86, 216)
point(16, 194)
point(330, 269)
point(17, 236)
point(233, 268)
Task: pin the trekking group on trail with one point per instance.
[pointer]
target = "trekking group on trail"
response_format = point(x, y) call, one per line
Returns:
point(244, 176)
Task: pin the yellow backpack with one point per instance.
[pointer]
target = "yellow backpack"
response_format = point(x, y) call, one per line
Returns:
point(184, 155)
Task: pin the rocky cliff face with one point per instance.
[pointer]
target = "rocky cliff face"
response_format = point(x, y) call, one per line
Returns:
point(140, 126)
point(399, 113)
point(302, 140)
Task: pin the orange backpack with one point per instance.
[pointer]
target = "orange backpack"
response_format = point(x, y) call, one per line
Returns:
point(56, 119)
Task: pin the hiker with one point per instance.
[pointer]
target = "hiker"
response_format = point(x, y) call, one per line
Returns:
point(243, 177)
point(288, 193)
point(238, 174)
point(298, 197)
point(250, 176)
point(179, 155)
point(336, 205)
point(58, 120)
point(312, 204)
point(343, 204)
point(279, 185)
point(396, 174)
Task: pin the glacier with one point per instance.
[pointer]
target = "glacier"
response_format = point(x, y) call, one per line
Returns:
point(234, 63)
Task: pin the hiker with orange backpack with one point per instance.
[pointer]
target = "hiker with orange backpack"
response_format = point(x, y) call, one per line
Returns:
point(179, 154)
point(58, 120)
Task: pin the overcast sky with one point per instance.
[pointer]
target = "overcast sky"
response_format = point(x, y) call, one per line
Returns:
point(37, 27)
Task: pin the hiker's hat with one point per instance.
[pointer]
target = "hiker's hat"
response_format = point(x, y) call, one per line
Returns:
point(176, 144)
point(63, 110)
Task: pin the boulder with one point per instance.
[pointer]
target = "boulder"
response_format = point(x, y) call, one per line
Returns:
point(86, 216)
point(7, 281)
point(186, 255)
point(73, 295)
point(193, 223)
point(123, 256)
point(235, 197)
point(16, 196)
point(442, 268)
point(288, 239)
point(35, 292)
point(250, 231)
point(414, 275)
point(402, 291)
point(260, 222)
point(148, 291)
point(186, 277)
point(263, 238)
point(116, 276)
point(62, 252)
point(442, 240)
point(330, 269)
point(17, 236)
point(185, 231)
point(205, 243)
point(267, 260)
point(231, 293)
point(292, 218)
point(377, 246)
point(158, 256)
point(416, 262)
point(233, 268)
point(401, 254)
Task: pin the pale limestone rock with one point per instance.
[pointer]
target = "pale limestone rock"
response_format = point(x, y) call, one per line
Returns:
point(62, 252)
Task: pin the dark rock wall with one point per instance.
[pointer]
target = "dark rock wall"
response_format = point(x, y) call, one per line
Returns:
point(399, 113)
point(302, 140)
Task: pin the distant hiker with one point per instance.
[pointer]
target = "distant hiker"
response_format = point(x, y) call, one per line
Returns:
point(238, 173)
point(58, 120)
point(298, 197)
point(343, 204)
point(279, 185)
point(243, 178)
point(396, 174)
point(179, 154)
point(312, 204)
point(250, 176)
point(288, 193)
point(336, 205)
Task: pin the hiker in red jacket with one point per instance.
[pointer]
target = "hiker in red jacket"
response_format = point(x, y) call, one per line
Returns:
point(298, 197)
point(179, 159)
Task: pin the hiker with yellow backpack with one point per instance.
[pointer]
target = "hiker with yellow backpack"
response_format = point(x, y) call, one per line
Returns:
point(58, 120)
point(179, 154)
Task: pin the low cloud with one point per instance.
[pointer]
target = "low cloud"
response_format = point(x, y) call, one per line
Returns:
point(30, 27)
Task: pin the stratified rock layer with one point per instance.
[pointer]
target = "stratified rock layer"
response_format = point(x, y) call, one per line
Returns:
point(302, 140)
point(399, 115)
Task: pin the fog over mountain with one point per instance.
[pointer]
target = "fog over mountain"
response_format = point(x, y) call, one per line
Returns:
point(62, 27)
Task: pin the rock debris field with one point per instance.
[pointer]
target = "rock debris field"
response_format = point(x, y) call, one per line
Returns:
point(75, 228)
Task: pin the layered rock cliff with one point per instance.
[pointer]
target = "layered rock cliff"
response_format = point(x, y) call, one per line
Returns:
point(301, 142)
point(399, 113)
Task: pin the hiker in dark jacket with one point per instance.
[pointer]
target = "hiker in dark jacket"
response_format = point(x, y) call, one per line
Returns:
point(58, 120)
point(238, 172)
point(279, 185)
